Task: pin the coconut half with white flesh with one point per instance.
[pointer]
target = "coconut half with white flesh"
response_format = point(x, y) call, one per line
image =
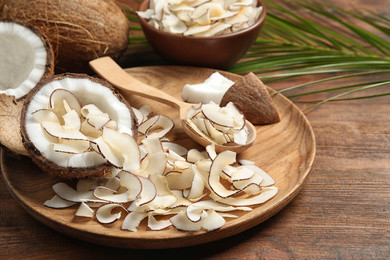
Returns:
point(26, 58)
point(51, 125)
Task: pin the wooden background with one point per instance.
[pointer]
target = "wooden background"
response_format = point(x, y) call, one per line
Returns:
point(342, 211)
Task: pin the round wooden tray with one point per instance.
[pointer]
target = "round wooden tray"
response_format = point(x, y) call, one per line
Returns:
point(285, 150)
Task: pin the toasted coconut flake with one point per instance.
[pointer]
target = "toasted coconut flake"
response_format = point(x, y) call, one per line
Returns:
point(148, 192)
point(125, 146)
point(164, 123)
point(219, 163)
point(58, 203)
point(106, 194)
point(180, 180)
point(182, 222)
point(194, 156)
point(62, 100)
point(85, 211)
point(47, 115)
point(177, 148)
point(132, 183)
point(213, 221)
point(267, 179)
point(71, 120)
point(104, 213)
point(71, 146)
point(266, 194)
point(153, 224)
point(138, 114)
point(67, 193)
point(132, 220)
point(57, 130)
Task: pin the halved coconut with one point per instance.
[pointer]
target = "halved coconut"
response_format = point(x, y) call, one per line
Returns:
point(26, 58)
point(38, 141)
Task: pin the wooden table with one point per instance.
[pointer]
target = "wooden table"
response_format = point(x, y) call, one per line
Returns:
point(342, 211)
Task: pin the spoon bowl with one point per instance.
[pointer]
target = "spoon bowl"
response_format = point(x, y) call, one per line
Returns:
point(109, 70)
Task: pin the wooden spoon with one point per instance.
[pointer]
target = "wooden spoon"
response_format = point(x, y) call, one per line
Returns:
point(109, 70)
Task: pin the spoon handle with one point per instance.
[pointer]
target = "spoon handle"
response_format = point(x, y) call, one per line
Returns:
point(108, 69)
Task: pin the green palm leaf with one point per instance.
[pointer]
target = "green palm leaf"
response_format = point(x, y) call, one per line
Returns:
point(291, 45)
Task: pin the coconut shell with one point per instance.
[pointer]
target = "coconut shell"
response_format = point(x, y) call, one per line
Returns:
point(251, 96)
point(10, 112)
point(51, 167)
point(78, 30)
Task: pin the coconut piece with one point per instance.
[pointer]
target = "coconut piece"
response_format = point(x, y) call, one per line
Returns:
point(87, 90)
point(182, 222)
point(213, 221)
point(84, 211)
point(161, 122)
point(211, 90)
point(138, 114)
point(265, 195)
point(177, 148)
point(106, 194)
point(148, 192)
point(180, 180)
point(57, 130)
point(194, 156)
point(72, 146)
point(26, 57)
point(132, 220)
point(252, 98)
point(104, 213)
point(217, 166)
point(58, 203)
point(153, 224)
point(96, 117)
point(67, 193)
point(78, 30)
point(61, 101)
point(194, 30)
point(125, 146)
point(196, 191)
point(132, 183)
point(267, 180)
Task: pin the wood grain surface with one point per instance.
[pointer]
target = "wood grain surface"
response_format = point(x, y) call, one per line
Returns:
point(342, 212)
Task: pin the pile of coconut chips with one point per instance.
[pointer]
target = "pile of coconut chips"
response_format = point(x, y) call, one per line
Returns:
point(173, 186)
point(202, 18)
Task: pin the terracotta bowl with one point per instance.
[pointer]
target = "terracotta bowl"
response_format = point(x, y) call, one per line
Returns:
point(218, 52)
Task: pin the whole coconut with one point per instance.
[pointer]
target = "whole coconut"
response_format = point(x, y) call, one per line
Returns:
point(78, 30)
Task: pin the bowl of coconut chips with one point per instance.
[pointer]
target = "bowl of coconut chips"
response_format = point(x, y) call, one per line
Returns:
point(214, 34)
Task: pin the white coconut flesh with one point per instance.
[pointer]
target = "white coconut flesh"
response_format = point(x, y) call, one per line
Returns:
point(23, 59)
point(59, 109)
